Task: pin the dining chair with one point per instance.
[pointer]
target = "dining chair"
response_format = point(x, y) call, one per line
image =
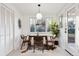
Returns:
point(32, 43)
point(50, 42)
point(53, 40)
point(23, 39)
point(44, 43)
point(25, 42)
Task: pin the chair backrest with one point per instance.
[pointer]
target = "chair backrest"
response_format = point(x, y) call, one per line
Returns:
point(22, 36)
point(49, 38)
point(32, 40)
point(44, 40)
point(53, 39)
point(27, 37)
point(50, 41)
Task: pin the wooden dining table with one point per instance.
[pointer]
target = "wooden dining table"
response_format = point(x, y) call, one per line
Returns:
point(38, 41)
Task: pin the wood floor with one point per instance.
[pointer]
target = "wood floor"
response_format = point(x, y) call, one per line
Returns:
point(56, 52)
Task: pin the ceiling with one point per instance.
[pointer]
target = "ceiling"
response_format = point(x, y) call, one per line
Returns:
point(47, 9)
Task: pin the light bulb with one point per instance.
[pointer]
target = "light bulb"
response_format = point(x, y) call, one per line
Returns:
point(39, 16)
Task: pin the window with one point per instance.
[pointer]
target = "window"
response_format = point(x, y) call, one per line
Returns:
point(49, 20)
point(32, 24)
point(42, 25)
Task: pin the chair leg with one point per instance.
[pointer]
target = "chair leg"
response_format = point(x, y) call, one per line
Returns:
point(48, 47)
point(34, 49)
point(43, 48)
point(53, 45)
point(27, 47)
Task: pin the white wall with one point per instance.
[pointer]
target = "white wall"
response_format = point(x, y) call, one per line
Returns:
point(62, 40)
point(17, 32)
point(25, 25)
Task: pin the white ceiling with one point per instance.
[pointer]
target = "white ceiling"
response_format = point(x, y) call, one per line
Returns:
point(47, 9)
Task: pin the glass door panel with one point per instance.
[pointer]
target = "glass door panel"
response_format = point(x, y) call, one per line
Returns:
point(71, 26)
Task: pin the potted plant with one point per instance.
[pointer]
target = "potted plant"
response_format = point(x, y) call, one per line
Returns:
point(54, 29)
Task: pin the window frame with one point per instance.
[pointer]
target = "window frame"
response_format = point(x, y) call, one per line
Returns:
point(46, 24)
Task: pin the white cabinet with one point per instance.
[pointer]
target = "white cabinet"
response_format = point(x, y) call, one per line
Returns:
point(6, 30)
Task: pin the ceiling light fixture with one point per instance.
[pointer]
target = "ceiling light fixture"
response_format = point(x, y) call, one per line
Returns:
point(39, 15)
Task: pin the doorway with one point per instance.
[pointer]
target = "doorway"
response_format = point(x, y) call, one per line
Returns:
point(71, 26)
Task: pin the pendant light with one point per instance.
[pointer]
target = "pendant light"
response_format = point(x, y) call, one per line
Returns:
point(39, 15)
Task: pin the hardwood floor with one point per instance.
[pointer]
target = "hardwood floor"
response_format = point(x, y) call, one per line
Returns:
point(56, 52)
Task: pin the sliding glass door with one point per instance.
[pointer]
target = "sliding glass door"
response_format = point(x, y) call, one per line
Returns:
point(71, 26)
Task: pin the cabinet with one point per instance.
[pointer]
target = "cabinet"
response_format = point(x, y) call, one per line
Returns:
point(6, 30)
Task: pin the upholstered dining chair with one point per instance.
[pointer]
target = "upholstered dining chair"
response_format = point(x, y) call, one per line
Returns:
point(44, 43)
point(25, 41)
point(32, 43)
point(53, 40)
point(50, 42)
